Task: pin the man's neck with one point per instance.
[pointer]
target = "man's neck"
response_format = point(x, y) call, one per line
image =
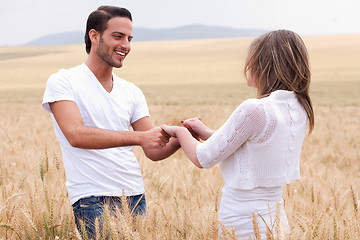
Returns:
point(102, 72)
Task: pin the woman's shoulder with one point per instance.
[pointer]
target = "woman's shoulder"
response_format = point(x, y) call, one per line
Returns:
point(252, 103)
point(252, 106)
point(276, 96)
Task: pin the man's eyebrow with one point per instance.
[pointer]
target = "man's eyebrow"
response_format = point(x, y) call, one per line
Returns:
point(122, 34)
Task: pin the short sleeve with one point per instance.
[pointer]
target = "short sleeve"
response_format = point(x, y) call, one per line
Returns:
point(245, 123)
point(57, 89)
point(141, 109)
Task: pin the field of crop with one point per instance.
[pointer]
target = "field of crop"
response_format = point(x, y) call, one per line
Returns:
point(181, 79)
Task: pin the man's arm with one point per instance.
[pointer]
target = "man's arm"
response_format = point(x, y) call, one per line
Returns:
point(145, 124)
point(69, 119)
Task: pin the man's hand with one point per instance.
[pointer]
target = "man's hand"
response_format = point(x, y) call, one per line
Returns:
point(154, 138)
point(152, 143)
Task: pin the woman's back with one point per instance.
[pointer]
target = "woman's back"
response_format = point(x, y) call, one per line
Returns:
point(260, 144)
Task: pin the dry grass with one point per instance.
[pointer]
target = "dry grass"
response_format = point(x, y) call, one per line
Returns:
point(181, 80)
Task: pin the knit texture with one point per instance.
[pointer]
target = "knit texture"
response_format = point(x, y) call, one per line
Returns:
point(260, 143)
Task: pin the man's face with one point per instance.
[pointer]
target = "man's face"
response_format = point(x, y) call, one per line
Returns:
point(114, 43)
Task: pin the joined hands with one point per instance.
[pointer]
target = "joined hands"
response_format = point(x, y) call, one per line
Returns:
point(194, 125)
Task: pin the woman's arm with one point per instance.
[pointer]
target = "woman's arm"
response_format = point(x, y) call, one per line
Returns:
point(247, 121)
point(187, 141)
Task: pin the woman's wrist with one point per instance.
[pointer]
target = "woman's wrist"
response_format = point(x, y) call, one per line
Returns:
point(181, 130)
point(207, 134)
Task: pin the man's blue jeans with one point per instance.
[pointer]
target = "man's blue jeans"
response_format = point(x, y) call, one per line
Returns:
point(88, 209)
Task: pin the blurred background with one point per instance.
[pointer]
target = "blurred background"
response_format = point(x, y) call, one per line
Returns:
point(23, 22)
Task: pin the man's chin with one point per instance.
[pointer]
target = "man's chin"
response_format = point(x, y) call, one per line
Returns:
point(117, 65)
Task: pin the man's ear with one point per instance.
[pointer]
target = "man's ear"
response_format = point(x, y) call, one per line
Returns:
point(94, 36)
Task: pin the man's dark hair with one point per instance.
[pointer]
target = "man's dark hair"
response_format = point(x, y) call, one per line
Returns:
point(99, 18)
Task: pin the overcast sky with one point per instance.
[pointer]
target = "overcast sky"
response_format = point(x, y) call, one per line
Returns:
point(24, 20)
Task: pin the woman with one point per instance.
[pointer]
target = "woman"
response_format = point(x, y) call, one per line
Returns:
point(259, 145)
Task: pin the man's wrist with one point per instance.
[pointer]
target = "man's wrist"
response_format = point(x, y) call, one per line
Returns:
point(138, 138)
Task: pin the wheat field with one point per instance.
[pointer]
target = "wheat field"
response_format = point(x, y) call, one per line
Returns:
point(181, 79)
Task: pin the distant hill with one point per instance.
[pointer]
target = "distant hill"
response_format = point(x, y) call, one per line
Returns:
point(148, 34)
point(58, 39)
point(193, 32)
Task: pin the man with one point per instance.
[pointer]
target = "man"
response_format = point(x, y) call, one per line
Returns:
point(92, 110)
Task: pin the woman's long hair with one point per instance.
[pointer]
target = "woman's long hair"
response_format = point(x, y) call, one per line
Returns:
point(279, 60)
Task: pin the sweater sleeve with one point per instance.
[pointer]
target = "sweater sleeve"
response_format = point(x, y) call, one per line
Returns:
point(245, 123)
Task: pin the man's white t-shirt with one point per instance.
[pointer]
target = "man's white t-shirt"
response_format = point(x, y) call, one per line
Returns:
point(92, 172)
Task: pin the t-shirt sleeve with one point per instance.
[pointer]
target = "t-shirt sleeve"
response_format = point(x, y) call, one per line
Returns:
point(245, 123)
point(141, 109)
point(57, 89)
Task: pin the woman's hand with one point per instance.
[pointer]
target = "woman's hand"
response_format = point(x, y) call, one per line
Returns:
point(197, 128)
point(187, 142)
point(171, 130)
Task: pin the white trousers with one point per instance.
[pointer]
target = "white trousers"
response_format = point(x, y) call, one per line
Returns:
point(237, 208)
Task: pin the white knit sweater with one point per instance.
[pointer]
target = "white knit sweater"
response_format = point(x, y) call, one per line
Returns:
point(260, 144)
